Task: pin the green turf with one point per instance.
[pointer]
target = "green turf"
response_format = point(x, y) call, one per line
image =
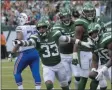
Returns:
point(8, 81)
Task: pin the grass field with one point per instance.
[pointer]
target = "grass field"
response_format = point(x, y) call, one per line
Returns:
point(8, 82)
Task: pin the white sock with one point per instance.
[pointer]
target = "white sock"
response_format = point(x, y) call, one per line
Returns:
point(98, 88)
point(20, 87)
point(38, 87)
point(76, 84)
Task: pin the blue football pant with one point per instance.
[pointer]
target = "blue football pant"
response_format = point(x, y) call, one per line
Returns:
point(28, 57)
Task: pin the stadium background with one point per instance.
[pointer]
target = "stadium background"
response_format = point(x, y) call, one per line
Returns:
point(10, 9)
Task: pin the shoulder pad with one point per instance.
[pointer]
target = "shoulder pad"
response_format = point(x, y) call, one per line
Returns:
point(34, 36)
point(81, 21)
point(57, 26)
point(55, 33)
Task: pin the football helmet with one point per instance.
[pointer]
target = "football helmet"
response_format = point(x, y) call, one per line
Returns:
point(43, 26)
point(106, 39)
point(93, 30)
point(22, 19)
point(89, 11)
point(75, 12)
point(65, 16)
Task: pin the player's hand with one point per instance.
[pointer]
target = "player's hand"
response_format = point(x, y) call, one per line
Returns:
point(93, 69)
point(75, 58)
point(87, 44)
point(10, 57)
point(16, 42)
point(101, 72)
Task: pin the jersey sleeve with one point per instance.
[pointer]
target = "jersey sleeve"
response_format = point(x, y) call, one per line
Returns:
point(35, 37)
point(56, 34)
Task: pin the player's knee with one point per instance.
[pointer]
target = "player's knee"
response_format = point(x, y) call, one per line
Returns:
point(49, 85)
point(103, 83)
point(64, 83)
point(92, 75)
point(77, 78)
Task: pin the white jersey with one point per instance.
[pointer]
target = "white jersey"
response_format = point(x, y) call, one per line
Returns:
point(27, 31)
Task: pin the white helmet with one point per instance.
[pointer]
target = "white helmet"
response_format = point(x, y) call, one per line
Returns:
point(22, 19)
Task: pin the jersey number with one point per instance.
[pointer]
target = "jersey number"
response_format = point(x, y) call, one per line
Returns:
point(48, 52)
point(104, 54)
point(29, 33)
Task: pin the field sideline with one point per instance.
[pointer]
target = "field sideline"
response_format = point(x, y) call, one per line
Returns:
point(8, 82)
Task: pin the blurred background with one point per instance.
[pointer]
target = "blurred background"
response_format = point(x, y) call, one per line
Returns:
point(10, 9)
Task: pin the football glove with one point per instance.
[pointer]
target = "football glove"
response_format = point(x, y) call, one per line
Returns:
point(75, 58)
point(88, 44)
point(10, 57)
point(16, 42)
point(101, 72)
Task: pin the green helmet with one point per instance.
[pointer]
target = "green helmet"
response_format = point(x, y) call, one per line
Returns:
point(106, 39)
point(89, 11)
point(44, 24)
point(94, 28)
point(75, 12)
point(65, 15)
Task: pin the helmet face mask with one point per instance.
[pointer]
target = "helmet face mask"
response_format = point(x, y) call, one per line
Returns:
point(89, 11)
point(66, 19)
point(93, 30)
point(22, 19)
point(65, 16)
point(42, 30)
point(43, 27)
point(94, 35)
point(89, 14)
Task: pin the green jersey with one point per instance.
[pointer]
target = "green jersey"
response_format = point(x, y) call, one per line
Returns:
point(101, 52)
point(83, 22)
point(48, 48)
point(65, 48)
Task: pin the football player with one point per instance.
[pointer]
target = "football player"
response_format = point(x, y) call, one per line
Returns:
point(47, 44)
point(83, 53)
point(99, 54)
point(66, 26)
point(106, 42)
point(27, 55)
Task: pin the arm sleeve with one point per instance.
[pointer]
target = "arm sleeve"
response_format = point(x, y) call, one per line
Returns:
point(33, 40)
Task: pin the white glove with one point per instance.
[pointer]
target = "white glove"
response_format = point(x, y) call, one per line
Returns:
point(10, 57)
point(94, 69)
point(101, 72)
point(87, 44)
point(16, 42)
